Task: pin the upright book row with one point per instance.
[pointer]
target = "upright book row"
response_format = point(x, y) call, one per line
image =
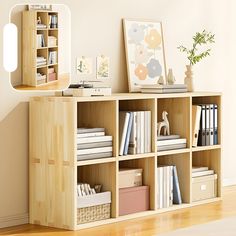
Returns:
point(134, 132)
point(205, 129)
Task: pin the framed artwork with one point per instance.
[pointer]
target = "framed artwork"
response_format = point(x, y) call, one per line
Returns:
point(103, 64)
point(84, 65)
point(40, 7)
point(145, 54)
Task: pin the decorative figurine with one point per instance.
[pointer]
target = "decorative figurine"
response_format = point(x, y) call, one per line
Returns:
point(160, 80)
point(170, 77)
point(163, 124)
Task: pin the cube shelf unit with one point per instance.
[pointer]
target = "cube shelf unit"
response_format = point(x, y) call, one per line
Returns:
point(55, 171)
point(30, 49)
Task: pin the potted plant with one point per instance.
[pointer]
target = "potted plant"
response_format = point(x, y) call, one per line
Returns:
point(193, 55)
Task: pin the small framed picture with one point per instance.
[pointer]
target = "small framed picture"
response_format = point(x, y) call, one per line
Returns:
point(84, 65)
point(40, 7)
point(103, 64)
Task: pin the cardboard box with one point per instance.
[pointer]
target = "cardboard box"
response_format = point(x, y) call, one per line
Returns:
point(52, 76)
point(135, 199)
point(204, 187)
point(130, 177)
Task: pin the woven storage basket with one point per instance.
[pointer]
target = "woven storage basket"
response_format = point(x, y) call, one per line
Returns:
point(93, 213)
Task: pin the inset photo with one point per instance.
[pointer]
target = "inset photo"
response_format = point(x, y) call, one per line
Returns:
point(44, 48)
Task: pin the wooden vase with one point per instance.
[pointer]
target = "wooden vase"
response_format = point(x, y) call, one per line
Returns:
point(188, 80)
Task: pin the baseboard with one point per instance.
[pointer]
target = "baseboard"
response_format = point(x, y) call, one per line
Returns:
point(13, 220)
point(229, 182)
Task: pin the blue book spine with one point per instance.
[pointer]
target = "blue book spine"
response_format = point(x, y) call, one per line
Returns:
point(128, 133)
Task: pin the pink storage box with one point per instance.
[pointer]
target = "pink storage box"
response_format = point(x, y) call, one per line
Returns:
point(52, 77)
point(134, 199)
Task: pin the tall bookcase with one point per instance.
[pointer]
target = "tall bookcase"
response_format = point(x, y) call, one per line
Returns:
point(54, 169)
point(30, 49)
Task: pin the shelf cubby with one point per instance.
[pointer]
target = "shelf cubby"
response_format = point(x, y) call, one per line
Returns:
point(212, 160)
point(148, 174)
point(183, 165)
point(142, 105)
point(178, 110)
point(104, 174)
point(99, 115)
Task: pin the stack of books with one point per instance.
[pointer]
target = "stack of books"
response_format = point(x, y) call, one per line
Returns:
point(134, 132)
point(53, 21)
point(92, 143)
point(198, 171)
point(166, 88)
point(168, 190)
point(40, 41)
point(205, 128)
point(52, 57)
point(41, 61)
point(41, 26)
point(170, 142)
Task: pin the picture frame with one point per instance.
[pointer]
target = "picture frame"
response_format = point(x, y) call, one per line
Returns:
point(84, 65)
point(102, 67)
point(145, 53)
point(40, 7)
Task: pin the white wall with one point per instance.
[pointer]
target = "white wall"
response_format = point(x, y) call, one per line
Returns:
point(96, 30)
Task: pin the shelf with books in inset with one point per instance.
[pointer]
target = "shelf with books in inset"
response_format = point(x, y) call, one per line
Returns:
point(148, 179)
point(183, 165)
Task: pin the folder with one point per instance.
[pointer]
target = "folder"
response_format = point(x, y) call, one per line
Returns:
point(207, 125)
point(196, 116)
point(202, 132)
point(211, 118)
point(215, 120)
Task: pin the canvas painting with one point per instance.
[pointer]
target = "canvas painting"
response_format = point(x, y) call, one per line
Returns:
point(84, 65)
point(103, 67)
point(144, 52)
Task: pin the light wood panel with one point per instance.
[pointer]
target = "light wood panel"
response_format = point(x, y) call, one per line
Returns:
point(52, 162)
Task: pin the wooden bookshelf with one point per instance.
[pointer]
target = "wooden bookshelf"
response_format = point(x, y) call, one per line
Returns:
point(54, 169)
point(30, 49)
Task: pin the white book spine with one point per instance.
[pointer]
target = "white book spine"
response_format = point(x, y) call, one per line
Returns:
point(161, 187)
point(171, 141)
point(94, 139)
point(94, 150)
point(138, 130)
point(142, 132)
point(167, 186)
point(149, 138)
point(171, 185)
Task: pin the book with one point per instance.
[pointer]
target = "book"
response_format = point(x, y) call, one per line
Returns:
point(87, 135)
point(171, 147)
point(202, 173)
point(171, 141)
point(177, 199)
point(141, 125)
point(94, 156)
point(133, 136)
point(207, 125)
point(215, 124)
point(164, 86)
point(89, 130)
point(126, 147)
point(123, 127)
point(147, 131)
point(94, 145)
point(196, 116)
point(93, 150)
point(202, 132)
point(199, 168)
point(94, 139)
point(168, 137)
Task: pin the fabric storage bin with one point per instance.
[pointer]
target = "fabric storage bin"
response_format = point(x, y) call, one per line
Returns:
point(130, 177)
point(204, 187)
point(52, 76)
point(93, 207)
point(133, 200)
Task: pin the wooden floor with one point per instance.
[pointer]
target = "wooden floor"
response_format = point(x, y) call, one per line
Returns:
point(149, 226)
point(61, 84)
